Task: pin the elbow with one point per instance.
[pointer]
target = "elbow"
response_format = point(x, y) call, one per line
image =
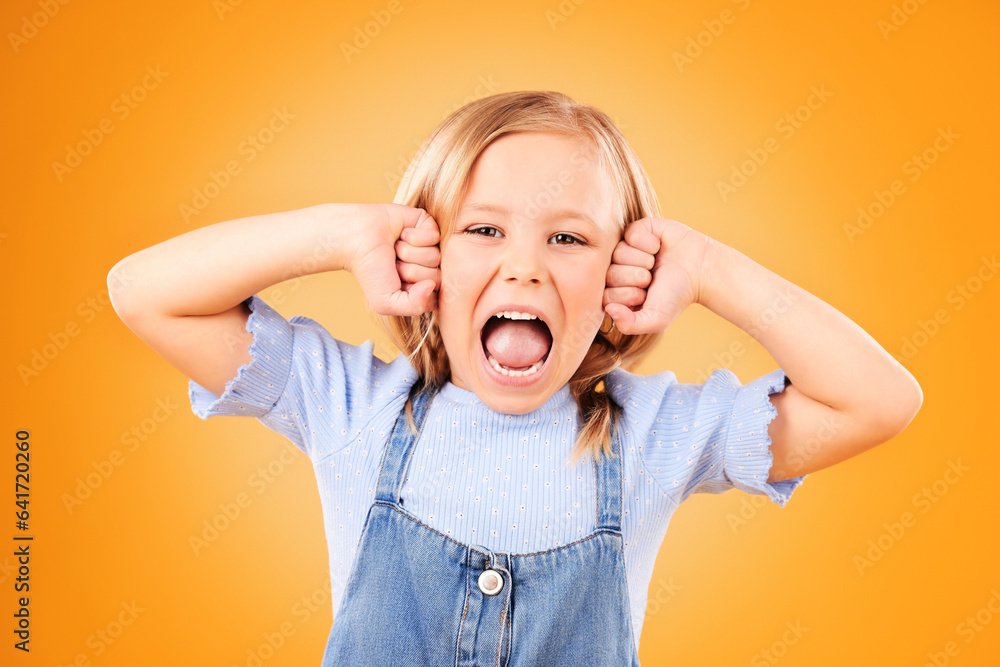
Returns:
point(910, 398)
point(917, 399)
point(121, 290)
point(900, 407)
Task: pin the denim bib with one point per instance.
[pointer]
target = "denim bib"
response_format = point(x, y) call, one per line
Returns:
point(417, 598)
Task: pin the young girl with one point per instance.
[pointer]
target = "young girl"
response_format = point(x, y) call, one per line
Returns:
point(497, 494)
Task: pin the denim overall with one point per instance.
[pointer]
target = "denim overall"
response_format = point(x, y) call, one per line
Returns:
point(416, 597)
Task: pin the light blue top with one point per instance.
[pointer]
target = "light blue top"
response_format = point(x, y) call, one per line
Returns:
point(496, 480)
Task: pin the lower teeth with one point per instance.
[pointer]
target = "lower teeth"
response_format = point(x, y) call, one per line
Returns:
point(530, 370)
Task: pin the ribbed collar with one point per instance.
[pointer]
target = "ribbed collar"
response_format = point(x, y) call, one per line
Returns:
point(455, 394)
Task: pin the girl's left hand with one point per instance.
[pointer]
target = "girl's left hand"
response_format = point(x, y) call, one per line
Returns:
point(656, 272)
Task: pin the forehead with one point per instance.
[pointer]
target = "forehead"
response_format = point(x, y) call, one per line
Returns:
point(536, 173)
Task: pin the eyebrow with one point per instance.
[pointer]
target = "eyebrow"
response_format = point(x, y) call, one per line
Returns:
point(561, 213)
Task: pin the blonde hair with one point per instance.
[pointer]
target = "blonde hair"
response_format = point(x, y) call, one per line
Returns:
point(436, 181)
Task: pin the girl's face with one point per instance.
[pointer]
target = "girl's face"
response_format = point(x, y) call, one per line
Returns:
point(534, 235)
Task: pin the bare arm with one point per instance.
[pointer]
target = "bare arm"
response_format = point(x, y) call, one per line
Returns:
point(184, 297)
point(847, 393)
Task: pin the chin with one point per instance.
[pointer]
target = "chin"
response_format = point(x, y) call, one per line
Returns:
point(510, 398)
point(514, 405)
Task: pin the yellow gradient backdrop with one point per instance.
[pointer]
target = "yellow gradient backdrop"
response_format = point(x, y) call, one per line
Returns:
point(768, 125)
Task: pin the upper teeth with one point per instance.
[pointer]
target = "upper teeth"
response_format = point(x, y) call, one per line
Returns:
point(514, 315)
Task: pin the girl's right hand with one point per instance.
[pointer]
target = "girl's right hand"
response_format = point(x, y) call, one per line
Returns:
point(397, 260)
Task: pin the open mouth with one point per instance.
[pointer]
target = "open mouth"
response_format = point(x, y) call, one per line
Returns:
point(516, 344)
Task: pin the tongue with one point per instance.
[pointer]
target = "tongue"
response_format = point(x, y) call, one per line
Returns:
point(516, 343)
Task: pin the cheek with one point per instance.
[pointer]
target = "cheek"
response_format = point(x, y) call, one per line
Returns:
point(584, 301)
point(448, 293)
point(590, 289)
point(597, 276)
point(454, 279)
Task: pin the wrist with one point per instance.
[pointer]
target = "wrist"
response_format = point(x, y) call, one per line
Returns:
point(339, 229)
point(715, 278)
point(743, 292)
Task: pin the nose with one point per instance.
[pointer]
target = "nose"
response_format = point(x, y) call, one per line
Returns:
point(523, 264)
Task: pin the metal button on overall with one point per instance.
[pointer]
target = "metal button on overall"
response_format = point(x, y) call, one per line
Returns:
point(490, 582)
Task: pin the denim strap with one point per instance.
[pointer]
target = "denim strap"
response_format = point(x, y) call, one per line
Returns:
point(398, 450)
point(608, 482)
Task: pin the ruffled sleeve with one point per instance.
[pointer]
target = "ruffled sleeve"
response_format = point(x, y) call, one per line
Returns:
point(258, 384)
point(706, 438)
point(747, 459)
point(317, 391)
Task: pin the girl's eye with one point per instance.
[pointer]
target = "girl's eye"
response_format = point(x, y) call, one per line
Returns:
point(567, 239)
point(483, 231)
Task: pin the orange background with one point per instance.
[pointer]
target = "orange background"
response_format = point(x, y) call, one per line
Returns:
point(732, 576)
